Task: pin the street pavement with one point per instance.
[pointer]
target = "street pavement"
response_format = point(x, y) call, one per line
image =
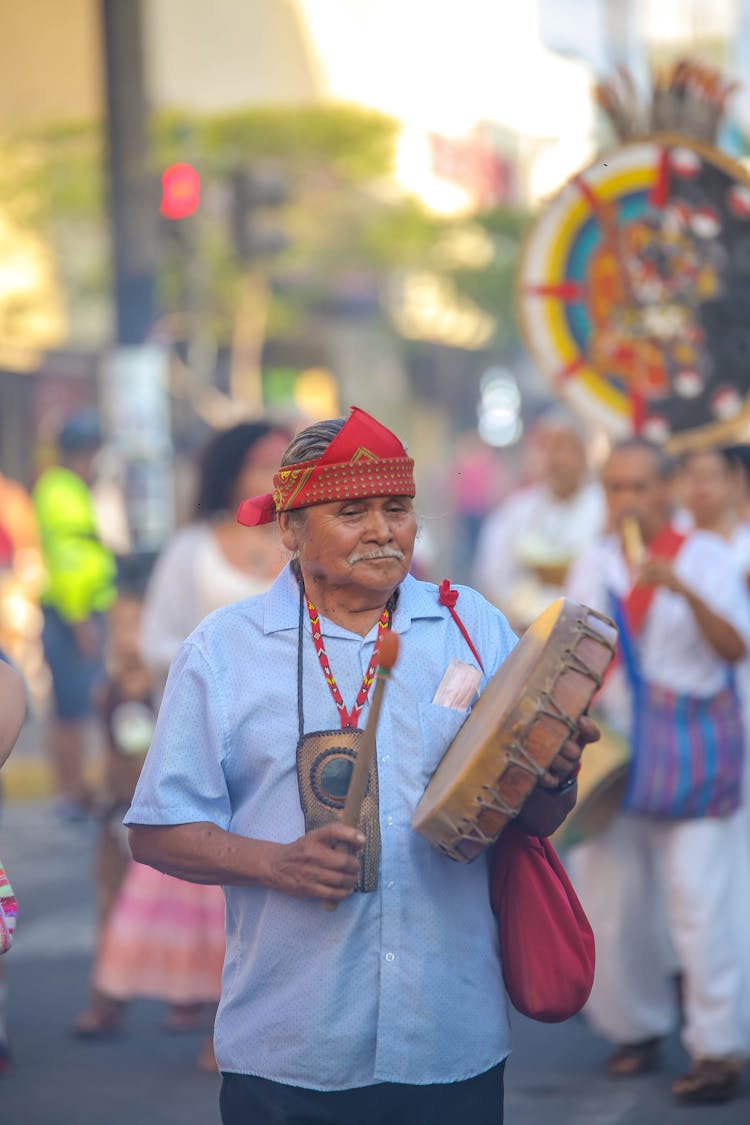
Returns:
point(149, 1077)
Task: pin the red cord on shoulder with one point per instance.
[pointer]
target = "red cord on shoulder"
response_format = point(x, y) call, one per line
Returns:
point(448, 597)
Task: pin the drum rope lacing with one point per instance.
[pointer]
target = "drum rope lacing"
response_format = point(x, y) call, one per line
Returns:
point(487, 797)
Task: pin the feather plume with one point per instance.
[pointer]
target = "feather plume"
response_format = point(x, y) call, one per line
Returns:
point(688, 97)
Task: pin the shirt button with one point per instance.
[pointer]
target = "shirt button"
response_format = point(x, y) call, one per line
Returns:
point(390, 956)
point(386, 758)
point(389, 820)
point(390, 884)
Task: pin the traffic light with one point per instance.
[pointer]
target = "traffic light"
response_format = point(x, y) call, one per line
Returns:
point(253, 196)
point(180, 191)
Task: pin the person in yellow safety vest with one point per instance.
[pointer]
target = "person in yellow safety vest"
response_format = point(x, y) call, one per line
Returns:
point(80, 587)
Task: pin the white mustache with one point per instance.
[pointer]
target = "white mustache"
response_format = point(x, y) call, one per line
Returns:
point(377, 553)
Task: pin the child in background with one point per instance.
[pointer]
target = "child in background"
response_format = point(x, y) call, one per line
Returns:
point(123, 703)
point(156, 938)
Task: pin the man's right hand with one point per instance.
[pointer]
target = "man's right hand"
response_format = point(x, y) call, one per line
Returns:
point(324, 863)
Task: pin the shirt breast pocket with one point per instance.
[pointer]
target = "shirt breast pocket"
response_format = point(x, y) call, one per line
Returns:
point(438, 726)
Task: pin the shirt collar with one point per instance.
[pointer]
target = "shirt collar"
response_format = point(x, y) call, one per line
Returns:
point(416, 600)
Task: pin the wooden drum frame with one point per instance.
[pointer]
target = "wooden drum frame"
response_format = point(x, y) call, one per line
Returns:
point(517, 727)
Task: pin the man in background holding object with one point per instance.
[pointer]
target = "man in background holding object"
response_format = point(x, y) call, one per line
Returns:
point(665, 861)
point(79, 588)
point(527, 544)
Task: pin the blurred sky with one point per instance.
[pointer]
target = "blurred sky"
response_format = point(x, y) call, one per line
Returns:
point(436, 65)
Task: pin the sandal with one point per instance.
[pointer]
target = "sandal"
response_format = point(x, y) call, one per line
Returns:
point(97, 1023)
point(709, 1081)
point(634, 1058)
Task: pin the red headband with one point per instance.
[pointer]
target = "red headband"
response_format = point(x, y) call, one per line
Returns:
point(364, 459)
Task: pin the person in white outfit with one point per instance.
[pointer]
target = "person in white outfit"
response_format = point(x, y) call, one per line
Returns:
point(527, 544)
point(714, 488)
point(640, 870)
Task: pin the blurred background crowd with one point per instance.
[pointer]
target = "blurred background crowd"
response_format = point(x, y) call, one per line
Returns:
point(220, 222)
point(282, 208)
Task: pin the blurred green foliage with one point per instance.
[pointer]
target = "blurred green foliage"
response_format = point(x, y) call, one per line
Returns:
point(345, 223)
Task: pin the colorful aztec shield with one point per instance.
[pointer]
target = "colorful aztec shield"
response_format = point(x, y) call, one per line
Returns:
point(634, 289)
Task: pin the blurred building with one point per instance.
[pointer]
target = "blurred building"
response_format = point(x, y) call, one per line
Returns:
point(493, 100)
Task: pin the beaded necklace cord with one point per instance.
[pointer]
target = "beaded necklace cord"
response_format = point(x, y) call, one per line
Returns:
point(348, 719)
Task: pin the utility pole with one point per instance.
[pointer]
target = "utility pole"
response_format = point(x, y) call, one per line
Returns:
point(132, 193)
point(134, 382)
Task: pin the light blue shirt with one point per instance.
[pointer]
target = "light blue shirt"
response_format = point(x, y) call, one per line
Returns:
point(402, 984)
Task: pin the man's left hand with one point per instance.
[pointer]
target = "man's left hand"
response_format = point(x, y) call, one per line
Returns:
point(566, 764)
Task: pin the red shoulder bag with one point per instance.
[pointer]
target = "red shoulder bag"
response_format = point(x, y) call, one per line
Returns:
point(546, 941)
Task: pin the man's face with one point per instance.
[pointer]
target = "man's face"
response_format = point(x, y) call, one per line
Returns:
point(708, 486)
point(355, 547)
point(564, 461)
point(633, 487)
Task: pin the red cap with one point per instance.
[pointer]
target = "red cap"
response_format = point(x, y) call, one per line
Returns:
point(364, 459)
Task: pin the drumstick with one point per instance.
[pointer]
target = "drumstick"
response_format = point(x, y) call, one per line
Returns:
point(355, 794)
point(632, 541)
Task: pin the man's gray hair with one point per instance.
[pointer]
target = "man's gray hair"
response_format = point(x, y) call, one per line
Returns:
point(312, 442)
point(664, 463)
point(308, 445)
point(558, 417)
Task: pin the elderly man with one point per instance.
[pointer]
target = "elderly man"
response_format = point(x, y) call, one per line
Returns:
point(391, 1008)
point(527, 544)
point(670, 853)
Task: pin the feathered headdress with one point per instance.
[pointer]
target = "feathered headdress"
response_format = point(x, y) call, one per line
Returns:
point(688, 98)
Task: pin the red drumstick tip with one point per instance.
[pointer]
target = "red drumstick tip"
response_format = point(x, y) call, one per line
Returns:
point(388, 651)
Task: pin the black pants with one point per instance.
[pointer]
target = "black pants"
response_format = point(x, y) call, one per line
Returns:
point(246, 1100)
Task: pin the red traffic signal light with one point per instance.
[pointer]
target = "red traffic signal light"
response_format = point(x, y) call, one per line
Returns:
point(180, 191)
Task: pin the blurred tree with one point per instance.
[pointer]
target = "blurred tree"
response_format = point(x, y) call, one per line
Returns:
point(52, 187)
point(492, 285)
point(347, 230)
